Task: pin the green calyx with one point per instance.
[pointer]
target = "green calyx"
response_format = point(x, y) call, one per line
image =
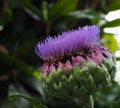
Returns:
point(80, 81)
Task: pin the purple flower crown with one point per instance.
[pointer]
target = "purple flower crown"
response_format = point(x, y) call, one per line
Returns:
point(68, 43)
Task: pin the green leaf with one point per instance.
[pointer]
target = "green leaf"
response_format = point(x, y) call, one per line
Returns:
point(110, 42)
point(18, 88)
point(34, 83)
point(61, 8)
point(88, 13)
point(112, 23)
point(118, 58)
point(32, 100)
point(116, 104)
point(7, 17)
point(113, 5)
point(24, 67)
point(73, 16)
point(45, 10)
point(33, 11)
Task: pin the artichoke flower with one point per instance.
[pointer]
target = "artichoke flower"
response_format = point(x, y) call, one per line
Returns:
point(75, 64)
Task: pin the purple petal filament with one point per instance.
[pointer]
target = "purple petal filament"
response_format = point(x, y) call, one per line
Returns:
point(69, 42)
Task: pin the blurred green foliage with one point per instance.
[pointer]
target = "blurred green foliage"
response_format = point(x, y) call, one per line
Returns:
point(25, 22)
point(109, 41)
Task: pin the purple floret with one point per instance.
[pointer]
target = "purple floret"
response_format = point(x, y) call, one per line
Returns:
point(68, 42)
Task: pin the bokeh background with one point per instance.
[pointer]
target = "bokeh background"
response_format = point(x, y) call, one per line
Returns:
point(25, 22)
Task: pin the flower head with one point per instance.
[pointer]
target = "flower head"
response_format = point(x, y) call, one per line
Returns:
point(75, 64)
point(71, 48)
point(71, 42)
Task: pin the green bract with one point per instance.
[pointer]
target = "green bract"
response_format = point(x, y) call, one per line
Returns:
point(80, 81)
point(75, 64)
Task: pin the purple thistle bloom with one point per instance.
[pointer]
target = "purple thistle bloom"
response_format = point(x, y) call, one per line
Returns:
point(75, 64)
point(81, 39)
point(72, 48)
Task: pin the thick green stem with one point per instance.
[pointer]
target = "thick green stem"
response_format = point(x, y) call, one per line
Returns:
point(92, 101)
point(87, 102)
